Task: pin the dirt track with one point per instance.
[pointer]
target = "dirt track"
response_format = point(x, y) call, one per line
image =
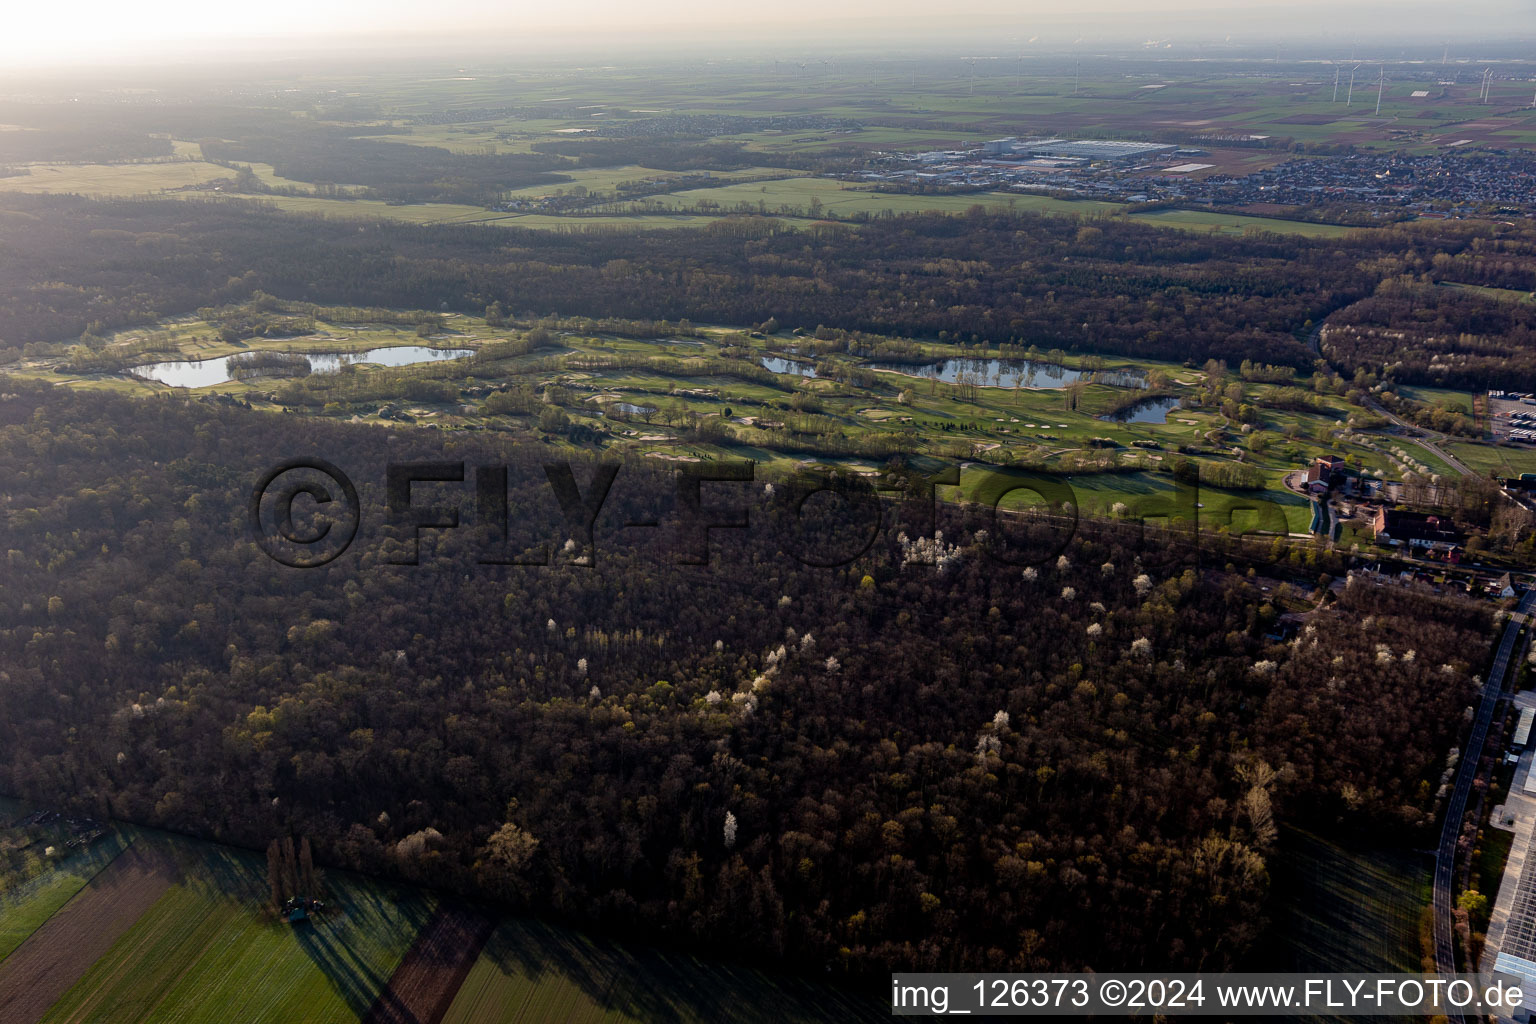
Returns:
point(423, 986)
point(39, 971)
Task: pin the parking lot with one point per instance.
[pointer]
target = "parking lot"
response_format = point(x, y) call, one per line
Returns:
point(1513, 416)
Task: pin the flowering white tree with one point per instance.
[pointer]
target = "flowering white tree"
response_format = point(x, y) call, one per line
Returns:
point(730, 830)
point(1143, 584)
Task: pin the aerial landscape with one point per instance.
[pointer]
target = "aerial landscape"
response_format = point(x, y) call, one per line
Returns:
point(802, 515)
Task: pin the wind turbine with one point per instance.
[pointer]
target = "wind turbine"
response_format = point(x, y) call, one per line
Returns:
point(1077, 77)
point(1335, 83)
point(972, 63)
point(1350, 98)
point(1381, 82)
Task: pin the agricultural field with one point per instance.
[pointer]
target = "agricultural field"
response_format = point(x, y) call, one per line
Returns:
point(1237, 224)
point(604, 181)
point(164, 928)
point(881, 107)
point(531, 972)
point(113, 180)
point(966, 104)
point(1504, 460)
point(1346, 909)
point(34, 884)
point(817, 196)
point(209, 949)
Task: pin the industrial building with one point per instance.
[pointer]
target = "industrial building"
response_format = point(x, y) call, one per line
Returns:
point(1073, 149)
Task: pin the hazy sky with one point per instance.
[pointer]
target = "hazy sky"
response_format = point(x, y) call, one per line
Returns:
point(88, 30)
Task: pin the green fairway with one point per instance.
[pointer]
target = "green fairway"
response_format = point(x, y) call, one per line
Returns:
point(644, 395)
point(1449, 398)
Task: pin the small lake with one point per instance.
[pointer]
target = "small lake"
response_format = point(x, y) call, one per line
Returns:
point(202, 373)
point(780, 365)
point(1150, 410)
point(1010, 373)
point(632, 409)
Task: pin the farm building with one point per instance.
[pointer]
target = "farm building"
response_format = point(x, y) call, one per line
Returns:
point(1417, 530)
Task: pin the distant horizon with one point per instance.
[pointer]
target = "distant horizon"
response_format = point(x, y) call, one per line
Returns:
point(175, 32)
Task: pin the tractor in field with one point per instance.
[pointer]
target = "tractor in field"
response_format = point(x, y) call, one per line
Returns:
point(298, 908)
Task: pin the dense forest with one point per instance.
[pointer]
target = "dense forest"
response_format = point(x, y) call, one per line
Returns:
point(1423, 333)
point(927, 757)
point(394, 171)
point(1111, 286)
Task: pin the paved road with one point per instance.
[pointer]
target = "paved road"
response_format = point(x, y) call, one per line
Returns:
point(1445, 853)
point(1429, 440)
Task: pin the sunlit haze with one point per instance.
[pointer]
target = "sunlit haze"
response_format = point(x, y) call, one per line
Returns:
point(183, 30)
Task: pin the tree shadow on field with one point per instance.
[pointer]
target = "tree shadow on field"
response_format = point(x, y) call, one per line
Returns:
point(358, 984)
point(668, 987)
